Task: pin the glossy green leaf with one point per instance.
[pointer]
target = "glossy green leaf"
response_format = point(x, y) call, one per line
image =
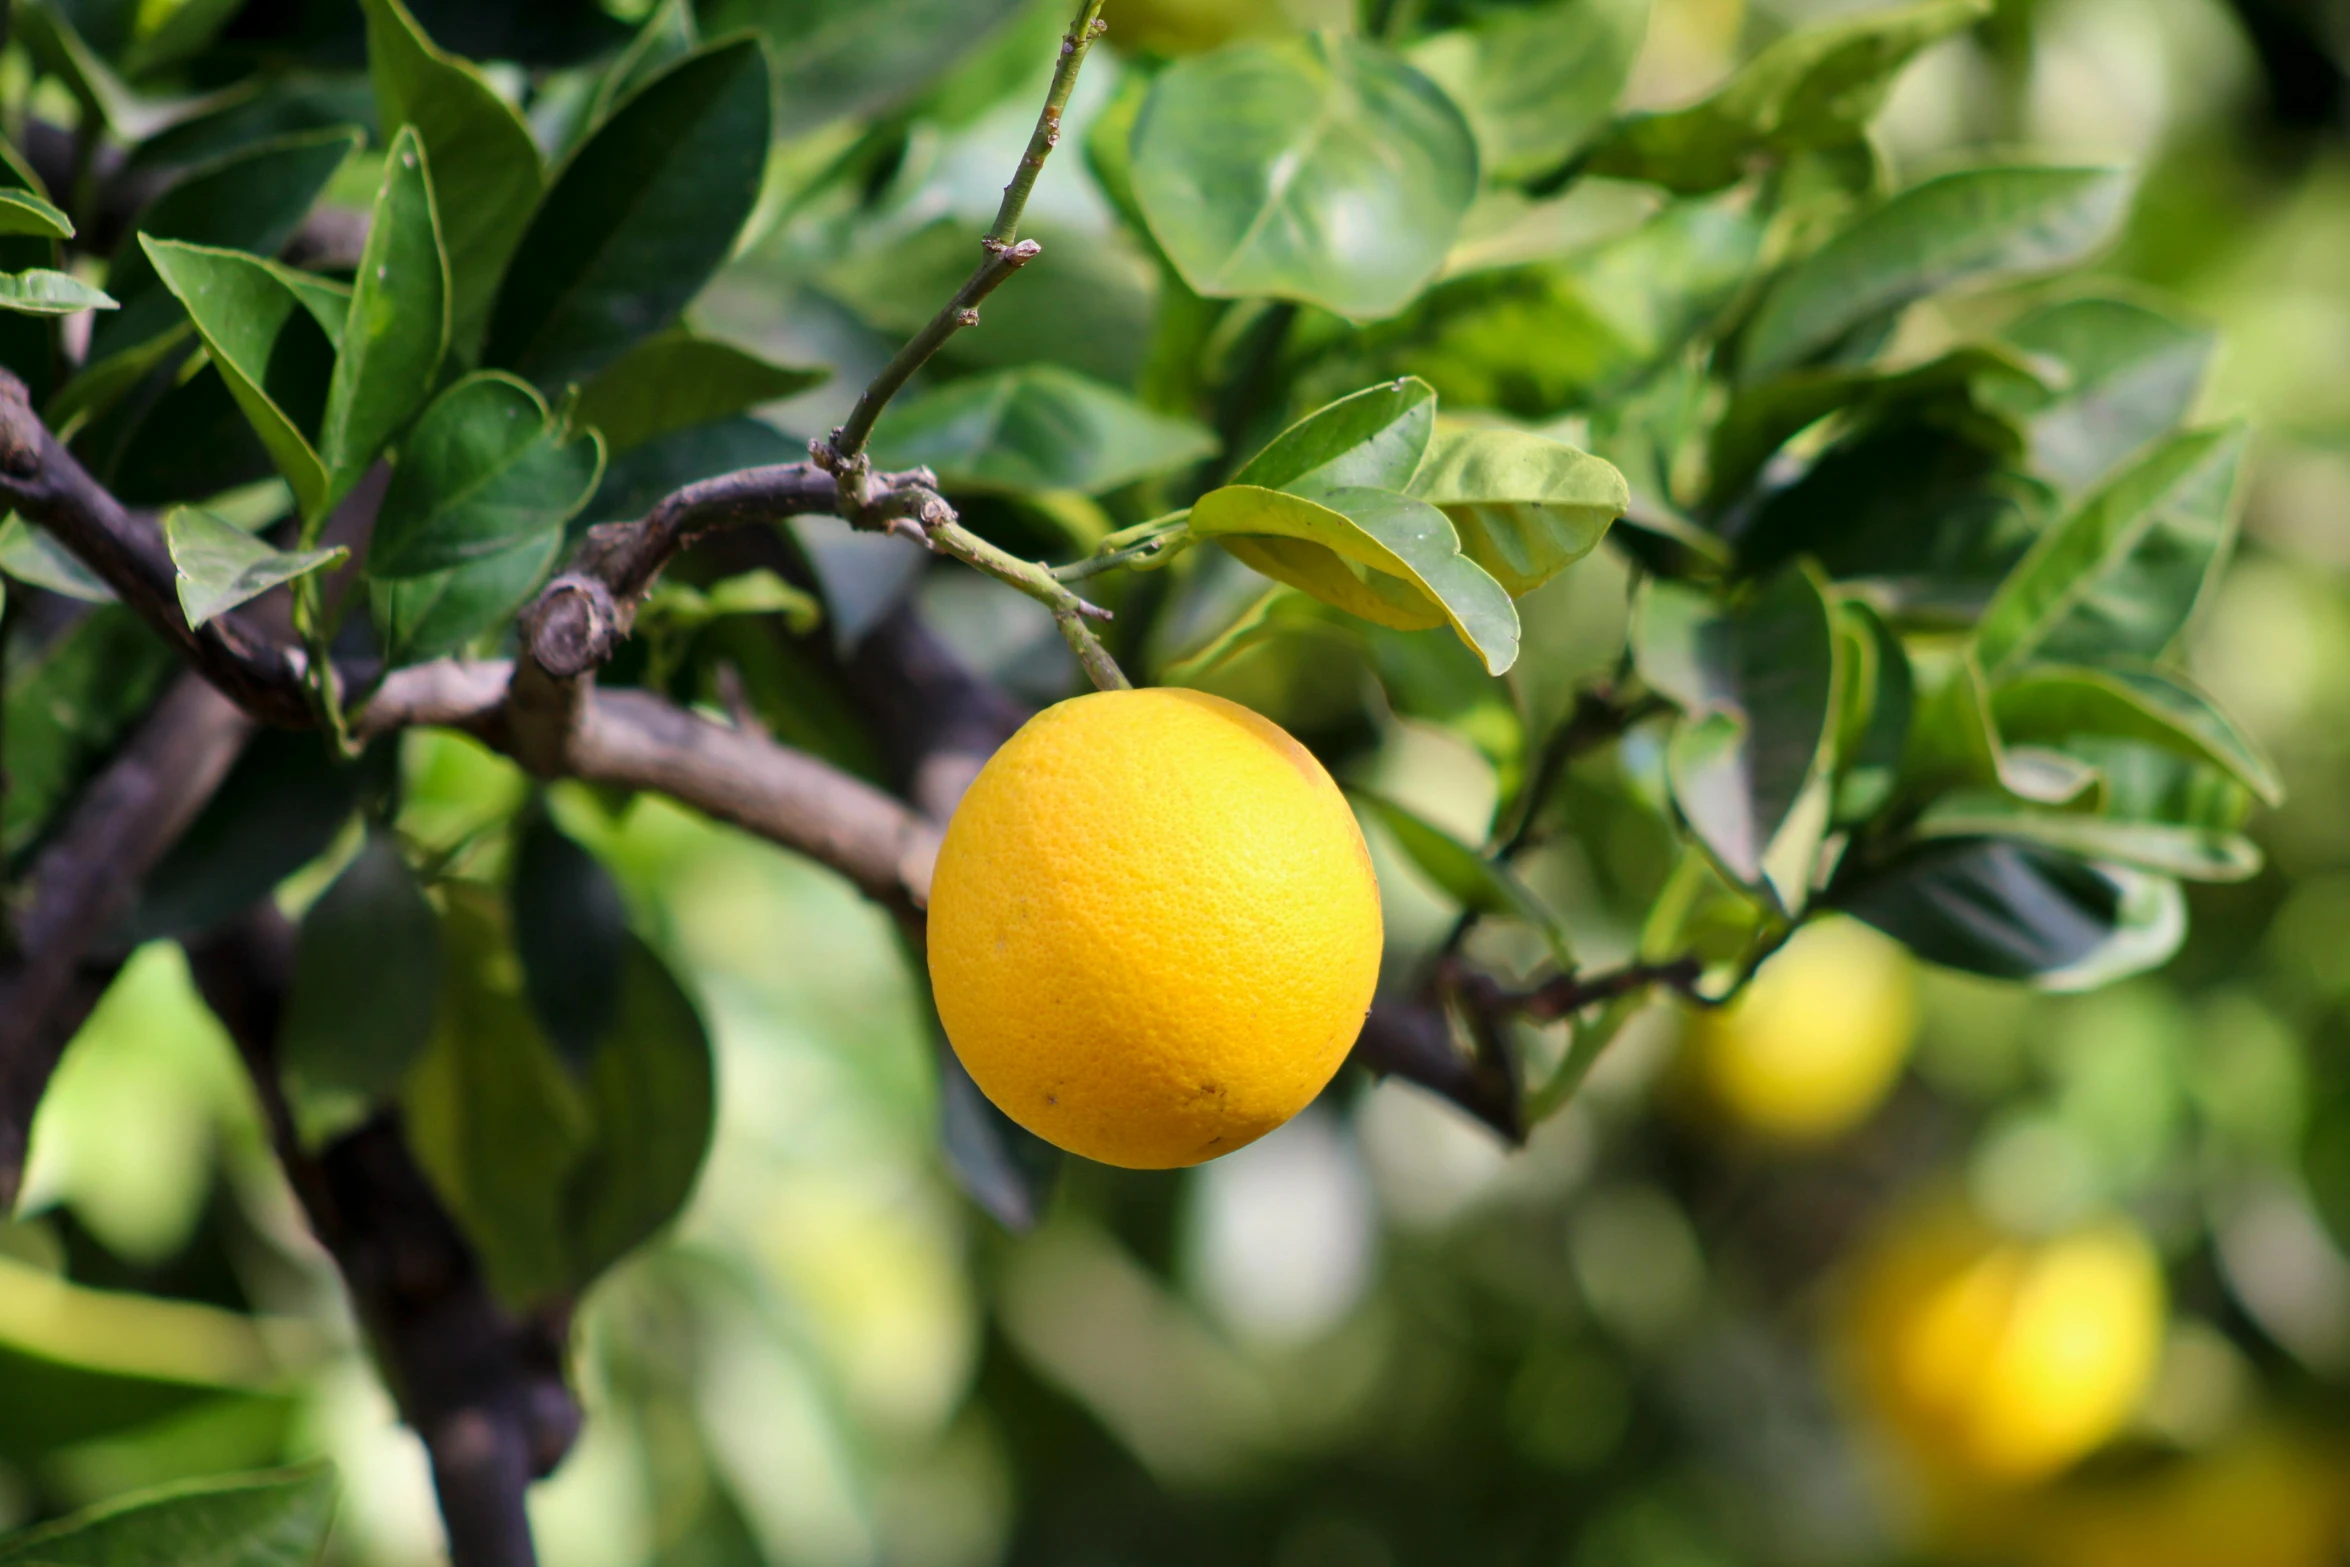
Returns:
point(2133, 375)
point(1389, 558)
point(483, 472)
point(2119, 578)
point(22, 212)
point(1977, 226)
point(366, 981)
point(494, 1117)
point(637, 220)
point(269, 1520)
point(485, 167)
point(1036, 429)
point(1319, 169)
point(261, 324)
point(676, 381)
point(1537, 80)
point(1817, 88)
point(1757, 684)
point(221, 566)
point(30, 555)
point(42, 292)
point(1374, 439)
point(571, 933)
point(251, 199)
point(1465, 876)
point(2018, 911)
point(398, 327)
point(1763, 418)
point(840, 57)
point(2166, 849)
point(1005, 1168)
point(1954, 744)
point(1526, 507)
point(652, 1088)
point(2051, 705)
point(446, 612)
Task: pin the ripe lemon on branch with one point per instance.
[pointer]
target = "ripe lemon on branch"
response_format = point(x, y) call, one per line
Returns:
point(1154, 928)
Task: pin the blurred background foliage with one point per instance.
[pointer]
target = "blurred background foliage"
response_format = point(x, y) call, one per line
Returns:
point(1999, 1277)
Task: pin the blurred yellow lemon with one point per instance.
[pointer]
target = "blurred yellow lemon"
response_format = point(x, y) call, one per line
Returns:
point(2001, 1360)
point(1816, 1041)
point(1154, 929)
point(2270, 1500)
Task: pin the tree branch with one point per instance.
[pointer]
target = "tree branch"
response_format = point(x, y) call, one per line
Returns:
point(85, 880)
point(482, 1388)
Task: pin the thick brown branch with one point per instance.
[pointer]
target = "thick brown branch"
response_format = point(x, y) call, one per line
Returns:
point(482, 1387)
point(39, 478)
point(85, 880)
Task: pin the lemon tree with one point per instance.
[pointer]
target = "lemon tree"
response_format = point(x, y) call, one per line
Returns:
point(1404, 534)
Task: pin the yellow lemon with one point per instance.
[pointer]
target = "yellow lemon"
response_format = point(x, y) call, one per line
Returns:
point(1816, 1041)
point(2273, 1499)
point(2000, 1360)
point(1154, 929)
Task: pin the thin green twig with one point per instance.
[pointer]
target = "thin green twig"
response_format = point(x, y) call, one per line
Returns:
point(1070, 613)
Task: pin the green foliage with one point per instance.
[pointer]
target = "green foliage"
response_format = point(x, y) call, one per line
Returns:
point(485, 473)
point(220, 565)
point(277, 1520)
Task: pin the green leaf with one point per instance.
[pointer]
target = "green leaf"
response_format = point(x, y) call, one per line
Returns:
point(1977, 226)
point(1036, 428)
point(1467, 877)
point(1812, 90)
point(2134, 375)
point(42, 292)
point(262, 324)
point(220, 565)
point(1763, 418)
point(1373, 439)
point(2120, 577)
point(676, 381)
point(483, 472)
point(68, 705)
point(2054, 704)
point(1526, 507)
point(485, 167)
point(1879, 704)
point(1751, 761)
point(251, 199)
point(266, 1520)
point(30, 555)
point(445, 612)
point(1005, 1168)
point(2017, 911)
point(843, 57)
point(1319, 169)
point(652, 1087)
point(1537, 80)
point(366, 978)
point(2164, 848)
point(281, 807)
point(637, 221)
point(1389, 558)
point(673, 606)
point(22, 212)
point(398, 326)
point(668, 36)
point(495, 1119)
point(571, 933)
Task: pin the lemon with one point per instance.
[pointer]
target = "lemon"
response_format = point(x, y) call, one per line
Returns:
point(2272, 1499)
point(2002, 1361)
point(1816, 1041)
point(1154, 929)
